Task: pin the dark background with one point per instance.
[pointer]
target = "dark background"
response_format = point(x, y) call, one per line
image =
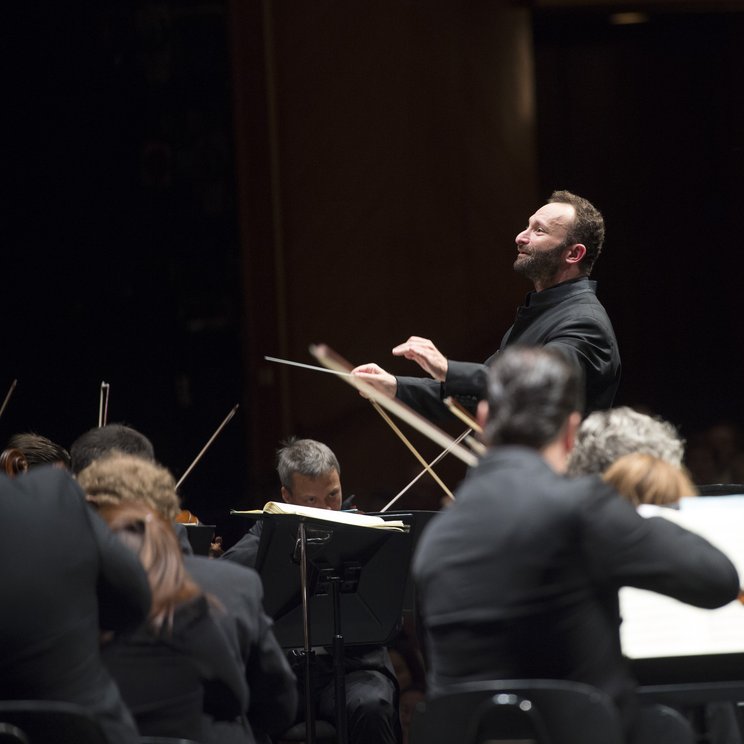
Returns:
point(194, 185)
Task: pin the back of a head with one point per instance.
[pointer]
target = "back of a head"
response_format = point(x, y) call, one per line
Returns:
point(531, 394)
point(152, 537)
point(103, 440)
point(605, 436)
point(588, 227)
point(307, 457)
point(645, 479)
point(117, 478)
point(39, 450)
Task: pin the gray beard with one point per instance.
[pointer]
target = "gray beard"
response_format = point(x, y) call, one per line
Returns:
point(542, 266)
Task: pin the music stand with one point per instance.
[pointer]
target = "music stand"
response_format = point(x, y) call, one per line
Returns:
point(331, 584)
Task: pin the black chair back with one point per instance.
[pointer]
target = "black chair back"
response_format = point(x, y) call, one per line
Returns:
point(540, 711)
point(10, 734)
point(44, 721)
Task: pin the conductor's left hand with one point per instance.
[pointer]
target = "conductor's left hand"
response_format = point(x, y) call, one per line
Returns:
point(425, 354)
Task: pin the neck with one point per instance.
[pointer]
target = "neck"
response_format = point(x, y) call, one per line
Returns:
point(556, 456)
point(564, 275)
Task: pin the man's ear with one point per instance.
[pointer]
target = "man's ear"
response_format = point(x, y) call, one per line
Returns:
point(575, 253)
point(481, 413)
point(286, 496)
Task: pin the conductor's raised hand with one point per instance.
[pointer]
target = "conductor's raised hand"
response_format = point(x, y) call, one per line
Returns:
point(425, 354)
point(377, 377)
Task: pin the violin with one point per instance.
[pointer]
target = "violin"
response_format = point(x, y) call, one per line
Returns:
point(13, 462)
point(187, 517)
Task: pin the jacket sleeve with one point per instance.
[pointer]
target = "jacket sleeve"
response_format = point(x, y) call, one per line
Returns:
point(465, 381)
point(272, 684)
point(625, 549)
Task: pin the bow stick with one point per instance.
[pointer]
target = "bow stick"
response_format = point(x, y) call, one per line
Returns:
point(7, 397)
point(385, 417)
point(208, 444)
point(456, 409)
point(428, 467)
point(103, 404)
point(414, 451)
point(328, 358)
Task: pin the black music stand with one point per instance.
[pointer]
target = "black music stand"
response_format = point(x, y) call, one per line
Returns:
point(331, 584)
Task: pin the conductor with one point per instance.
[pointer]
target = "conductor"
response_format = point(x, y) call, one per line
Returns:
point(556, 251)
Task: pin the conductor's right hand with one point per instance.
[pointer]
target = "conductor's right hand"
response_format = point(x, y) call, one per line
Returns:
point(377, 377)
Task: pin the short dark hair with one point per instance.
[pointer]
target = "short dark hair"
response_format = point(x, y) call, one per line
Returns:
point(588, 227)
point(306, 457)
point(39, 450)
point(531, 393)
point(105, 440)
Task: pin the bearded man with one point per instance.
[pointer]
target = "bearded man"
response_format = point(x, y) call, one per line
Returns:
point(556, 252)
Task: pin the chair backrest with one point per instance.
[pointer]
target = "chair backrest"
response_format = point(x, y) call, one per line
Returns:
point(10, 734)
point(566, 713)
point(660, 724)
point(49, 721)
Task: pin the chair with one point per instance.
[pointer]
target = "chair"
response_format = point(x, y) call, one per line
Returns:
point(49, 721)
point(660, 724)
point(324, 733)
point(552, 712)
point(10, 734)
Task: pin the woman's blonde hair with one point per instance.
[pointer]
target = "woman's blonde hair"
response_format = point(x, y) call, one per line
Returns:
point(645, 479)
point(120, 477)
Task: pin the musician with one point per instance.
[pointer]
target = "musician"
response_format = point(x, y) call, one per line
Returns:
point(519, 577)
point(556, 252)
point(39, 450)
point(111, 478)
point(119, 438)
point(57, 598)
point(103, 440)
point(605, 436)
point(310, 475)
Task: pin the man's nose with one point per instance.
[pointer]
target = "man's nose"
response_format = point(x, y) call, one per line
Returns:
point(521, 238)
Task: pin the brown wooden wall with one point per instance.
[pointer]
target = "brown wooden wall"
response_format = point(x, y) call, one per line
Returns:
point(386, 159)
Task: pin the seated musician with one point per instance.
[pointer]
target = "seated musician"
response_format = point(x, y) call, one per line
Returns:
point(604, 436)
point(39, 450)
point(309, 474)
point(178, 665)
point(519, 578)
point(111, 478)
point(124, 440)
point(77, 581)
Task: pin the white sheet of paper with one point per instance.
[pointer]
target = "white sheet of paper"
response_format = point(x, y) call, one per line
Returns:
point(656, 626)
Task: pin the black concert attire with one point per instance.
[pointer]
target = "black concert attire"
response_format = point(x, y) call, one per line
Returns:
point(170, 679)
point(568, 317)
point(371, 686)
point(272, 690)
point(519, 578)
point(78, 579)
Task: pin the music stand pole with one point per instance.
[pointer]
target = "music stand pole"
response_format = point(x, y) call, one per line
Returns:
point(338, 664)
point(307, 650)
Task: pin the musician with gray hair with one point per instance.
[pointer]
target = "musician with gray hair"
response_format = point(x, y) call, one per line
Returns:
point(605, 436)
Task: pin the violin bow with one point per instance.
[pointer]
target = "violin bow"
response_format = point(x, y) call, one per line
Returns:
point(430, 465)
point(214, 436)
point(103, 399)
point(7, 396)
point(328, 358)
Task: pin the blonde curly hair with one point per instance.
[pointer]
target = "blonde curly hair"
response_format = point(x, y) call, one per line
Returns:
point(119, 477)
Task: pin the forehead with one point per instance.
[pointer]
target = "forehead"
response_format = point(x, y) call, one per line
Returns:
point(323, 484)
point(556, 214)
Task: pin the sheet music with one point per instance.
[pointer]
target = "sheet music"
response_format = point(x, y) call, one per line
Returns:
point(656, 626)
